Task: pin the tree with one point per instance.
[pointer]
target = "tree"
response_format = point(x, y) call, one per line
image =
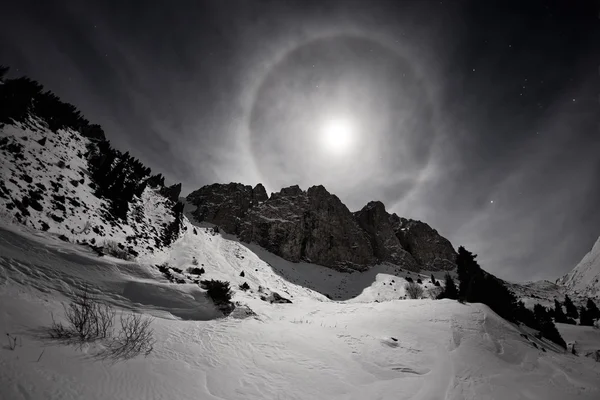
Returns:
point(450, 291)
point(592, 310)
point(546, 326)
point(585, 317)
point(559, 315)
point(570, 307)
point(525, 315)
point(466, 268)
point(433, 279)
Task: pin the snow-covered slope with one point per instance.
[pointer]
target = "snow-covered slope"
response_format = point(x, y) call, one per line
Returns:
point(313, 348)
point(45, 184)
point(584, 279)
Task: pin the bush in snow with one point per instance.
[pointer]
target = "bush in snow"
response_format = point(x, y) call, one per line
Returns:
point(408, 279)
point(195, 270)
point(218, 291)
point(112, 248)
point(419, 281)
point(194, 261)
point(413, 290)
point(244, 286)
point(135, 337)
point(87, 320)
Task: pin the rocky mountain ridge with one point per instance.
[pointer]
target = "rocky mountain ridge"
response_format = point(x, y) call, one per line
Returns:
point(584, 279)
point(315, 226)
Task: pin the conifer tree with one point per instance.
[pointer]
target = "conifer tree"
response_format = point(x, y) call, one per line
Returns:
point(559, 315)
point(570, 308)
point(592, 310)
point(584, 317)
point(450, 291)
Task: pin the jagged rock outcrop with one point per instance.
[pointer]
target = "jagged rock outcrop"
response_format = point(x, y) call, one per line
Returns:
point(584, 279)
point(378, 225)
point(432, 251)
point(226, 205)
point(313, 226)
point(172, 192)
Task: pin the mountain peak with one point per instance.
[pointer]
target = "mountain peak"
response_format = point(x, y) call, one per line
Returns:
point(314, 225)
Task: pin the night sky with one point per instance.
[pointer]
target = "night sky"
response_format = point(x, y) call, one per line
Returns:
point(480, 118)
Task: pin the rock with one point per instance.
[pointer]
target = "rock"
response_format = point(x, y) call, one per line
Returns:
point(226, 205)
point(316, 227)
point(172, 192)
point(432, 251)
point(277, 298)
point(375, 221)
point(313, 226)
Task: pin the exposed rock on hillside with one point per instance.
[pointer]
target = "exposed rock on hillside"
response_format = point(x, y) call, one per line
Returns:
point(226, 205)
point(431, 250)
point(316, 226)
point(378, 225)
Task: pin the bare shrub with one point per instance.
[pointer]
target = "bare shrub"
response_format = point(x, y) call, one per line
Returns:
point(135, 337)
point(413, 290)
point(87, 319)
point(112, 248)
point(435, 292)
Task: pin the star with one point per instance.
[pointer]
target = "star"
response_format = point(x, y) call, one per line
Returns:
point(492, 201)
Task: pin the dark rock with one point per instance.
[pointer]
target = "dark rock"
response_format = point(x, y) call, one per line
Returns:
point(375, 221)
point(432, 251)
point(313, 226)
point(277, 298)
point(172, 192)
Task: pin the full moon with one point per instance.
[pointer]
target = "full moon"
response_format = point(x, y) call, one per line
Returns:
point(337, 135)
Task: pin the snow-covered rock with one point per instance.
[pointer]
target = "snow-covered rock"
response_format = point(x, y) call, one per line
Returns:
point(584, 279)
point(315, 226)
point(45, 184)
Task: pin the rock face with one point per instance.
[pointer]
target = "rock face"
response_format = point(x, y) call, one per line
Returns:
point(312, 226)
point(172, 192)
point(584, 279)
point(315, 226)
point(226, 205)
point(378, 225)
point(431, 251)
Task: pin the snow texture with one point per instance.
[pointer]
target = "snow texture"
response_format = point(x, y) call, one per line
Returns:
point(313, 348)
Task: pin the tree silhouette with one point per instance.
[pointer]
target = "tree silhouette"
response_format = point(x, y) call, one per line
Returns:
point(570, 308)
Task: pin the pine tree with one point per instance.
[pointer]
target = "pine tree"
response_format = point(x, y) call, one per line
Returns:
point(559, 315)
point(592, 310)
point(570, 307)
point(584, 317)
point(466, 267)
point(450, 291)
point(526, 316)
point(433, 279)
point(546, 326)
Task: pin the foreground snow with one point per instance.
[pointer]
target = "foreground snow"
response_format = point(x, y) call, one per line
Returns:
point(312, 349)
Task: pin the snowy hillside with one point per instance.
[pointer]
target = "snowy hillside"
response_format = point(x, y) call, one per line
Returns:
point(312, 348)
point(584, 279)
point(45, 184)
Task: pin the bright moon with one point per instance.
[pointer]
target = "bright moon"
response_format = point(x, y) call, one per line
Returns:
point(337, 135)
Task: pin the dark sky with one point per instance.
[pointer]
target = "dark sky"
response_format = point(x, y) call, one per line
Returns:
point(478, 117)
